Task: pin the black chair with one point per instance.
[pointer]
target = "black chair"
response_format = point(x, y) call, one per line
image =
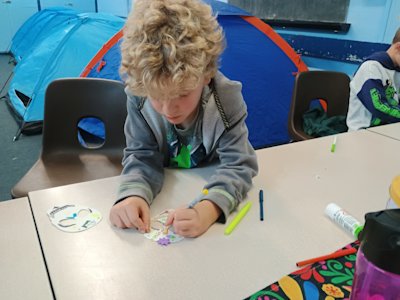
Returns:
point(63, 159)
point(332, 87)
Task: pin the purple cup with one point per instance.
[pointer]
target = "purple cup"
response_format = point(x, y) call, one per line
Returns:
point(377, 269)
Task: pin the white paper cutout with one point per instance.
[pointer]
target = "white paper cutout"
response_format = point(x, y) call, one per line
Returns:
point(160, 233)
point(72, 218)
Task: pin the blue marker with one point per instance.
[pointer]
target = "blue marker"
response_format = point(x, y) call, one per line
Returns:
point(261, 196)
point(197, 200)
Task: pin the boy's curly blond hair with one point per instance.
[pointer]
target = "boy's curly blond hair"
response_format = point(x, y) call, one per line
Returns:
point(169, 47)
point(396, 37)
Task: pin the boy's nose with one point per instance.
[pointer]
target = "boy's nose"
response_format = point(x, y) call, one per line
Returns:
point(170, 108)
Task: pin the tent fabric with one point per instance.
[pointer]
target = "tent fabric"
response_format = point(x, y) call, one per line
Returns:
point(255, 55)
point(37, 27)
point(266, 66)
point(63, 53)
point(105, 64)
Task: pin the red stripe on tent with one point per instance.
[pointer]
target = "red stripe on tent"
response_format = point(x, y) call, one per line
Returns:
point(278, 40)
point(99, 55)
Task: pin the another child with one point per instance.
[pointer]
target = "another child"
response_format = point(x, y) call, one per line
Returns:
point(181, 113)
point(374, 90)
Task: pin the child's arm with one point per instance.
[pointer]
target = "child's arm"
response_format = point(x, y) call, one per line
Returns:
point(143, 171)
point(237, 160)
point(237, 166)
point(378, 96)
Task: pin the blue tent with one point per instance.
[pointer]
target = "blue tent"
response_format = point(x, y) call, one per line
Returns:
point(38, 27)
point(255, 55)
point(63, 53)
point(106, 62)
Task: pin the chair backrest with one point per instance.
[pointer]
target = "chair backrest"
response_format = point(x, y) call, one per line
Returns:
point(69, 100)
point(332, 87)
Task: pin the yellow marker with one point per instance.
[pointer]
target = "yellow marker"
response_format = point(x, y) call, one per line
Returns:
point(238, 218)
point(166, 228)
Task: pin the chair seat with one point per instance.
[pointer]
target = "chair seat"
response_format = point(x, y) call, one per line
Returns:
point(66, 169)
point(64, 160)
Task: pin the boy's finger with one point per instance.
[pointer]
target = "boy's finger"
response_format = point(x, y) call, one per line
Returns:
point(134, 219)
point(185, 225)
point(116, 221)
point(183, 232)
point(125, 219)
point(184, 214)
point(146, 219)
point(140, 225)
point(170, 219)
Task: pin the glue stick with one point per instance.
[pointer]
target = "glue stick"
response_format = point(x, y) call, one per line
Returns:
point(343, 219)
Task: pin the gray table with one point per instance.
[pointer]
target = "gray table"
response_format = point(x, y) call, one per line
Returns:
point(298, 179)
point(22, 269)
point(390, 130)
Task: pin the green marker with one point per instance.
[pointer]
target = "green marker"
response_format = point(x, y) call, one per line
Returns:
point(238, 218)
point(333, 147)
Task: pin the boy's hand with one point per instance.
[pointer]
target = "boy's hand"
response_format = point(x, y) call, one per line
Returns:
point(193, 222)
point(132, 212)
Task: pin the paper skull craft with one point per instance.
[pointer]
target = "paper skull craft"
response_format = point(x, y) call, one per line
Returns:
point(73, 218)
point(160, 233)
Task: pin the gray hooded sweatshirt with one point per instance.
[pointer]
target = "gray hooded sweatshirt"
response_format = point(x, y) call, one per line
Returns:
point(218, 132)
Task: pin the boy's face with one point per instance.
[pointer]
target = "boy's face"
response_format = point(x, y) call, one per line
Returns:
point(180, 110)
point(396, 54)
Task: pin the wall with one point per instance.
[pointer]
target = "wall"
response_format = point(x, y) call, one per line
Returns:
point(13, 13)
point(372, 26)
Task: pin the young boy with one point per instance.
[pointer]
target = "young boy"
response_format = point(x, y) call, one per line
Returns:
point(181, 112)
point(374, 98)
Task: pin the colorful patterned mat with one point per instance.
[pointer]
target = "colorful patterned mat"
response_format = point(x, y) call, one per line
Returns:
point(324, 280)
